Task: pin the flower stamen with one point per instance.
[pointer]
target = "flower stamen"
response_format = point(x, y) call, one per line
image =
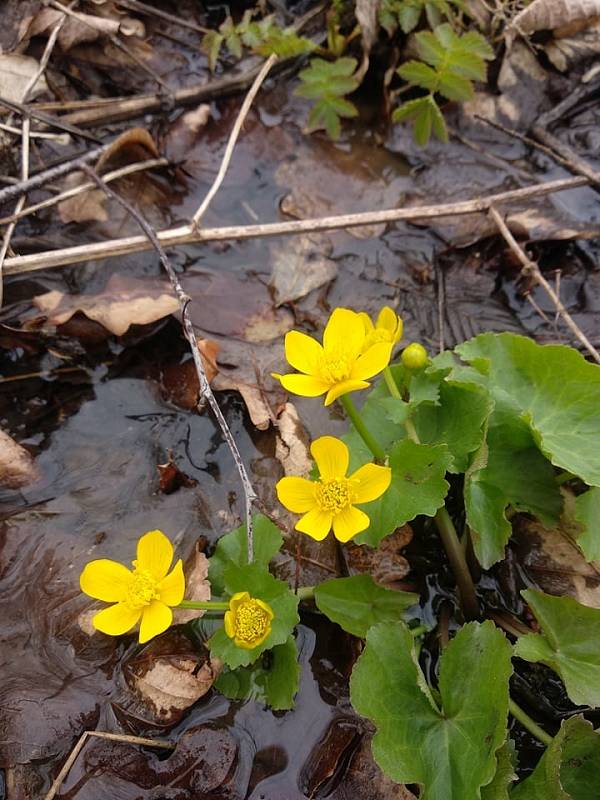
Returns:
point(333, 494)
point(142, 590)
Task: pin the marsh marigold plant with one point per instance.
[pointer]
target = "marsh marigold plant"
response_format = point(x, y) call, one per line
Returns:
point(341, 364)
point(248, 621)
point(145, 594)
point(329, 502)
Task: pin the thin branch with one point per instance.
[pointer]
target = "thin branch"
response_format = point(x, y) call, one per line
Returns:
point(206, 392)
point(48, 119)
point(185, 234)
point(530, 268)
point(115, 737)
point(233, 137)
point(142, 8)
point(130, 169)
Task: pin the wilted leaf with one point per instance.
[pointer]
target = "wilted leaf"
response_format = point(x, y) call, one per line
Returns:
point(17, 468)
point(366, 16)
point(384, 563)
point(298, 270)
point(566, 52)
point(172, 478)
point(125, 301)
point(90, 206)
point(15, 73)
point(197, 586)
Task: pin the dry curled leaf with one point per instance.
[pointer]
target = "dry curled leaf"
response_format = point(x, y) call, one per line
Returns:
point(179, 383)
point(197, 586)
point(291, 444)
point(298, 270)
point(172, 478)
point(366, 16)
point(565, 52)
point(124, 302)
point(550, 14)
point(16, 72)
point(81, 28)
point(17, 468)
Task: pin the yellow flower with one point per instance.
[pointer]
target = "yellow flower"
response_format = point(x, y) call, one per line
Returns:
point(248, 621)
point(388, 328)
point(144, 593)
point(339, 365)
point(414, 356)
point(329, 501)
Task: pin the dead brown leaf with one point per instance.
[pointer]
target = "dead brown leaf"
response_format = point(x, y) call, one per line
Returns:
point(550, 14)
point(366, 16)
point(183, 135)
point(386, 564)
point(566, 51)
point(17, 467)
point(168, 676)
point(172, 478)
point(197, 586)
point(297, 270)
point(86, 207)
point(15, 73)
point(292, 442)
point(552, 561)
point(124, 302)
point(83, 28)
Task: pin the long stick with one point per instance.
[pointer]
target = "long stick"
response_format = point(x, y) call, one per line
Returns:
point(185, 234)
point(531, 268)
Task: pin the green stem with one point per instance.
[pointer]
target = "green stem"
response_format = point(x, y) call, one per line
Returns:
point(529, 724)
point(458, 562)
point(391, 384)
point(418, 631)
point(305, 593)
point(209, 605)
point(563, 477)
point(361, 428)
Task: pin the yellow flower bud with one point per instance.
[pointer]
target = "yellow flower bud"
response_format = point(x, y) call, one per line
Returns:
point(248, 621)
point(414, 356)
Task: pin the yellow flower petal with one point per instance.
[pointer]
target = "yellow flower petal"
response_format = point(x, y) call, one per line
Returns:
point(331, 456)
point(156, 618)
point(172, 588)
point(370, 482)
point(116, 619)
point(316, 523)
point(373, 361)
point(388, 320)
point(237, 599)
point(154, 554)
point(296, 494)
point(302, 352)
point(305, 385)
point(266, 608)
point(345, 331)
point(105, 580)
point(229, 624)
point(343, 388)
point(349, 522)
point(367, 322)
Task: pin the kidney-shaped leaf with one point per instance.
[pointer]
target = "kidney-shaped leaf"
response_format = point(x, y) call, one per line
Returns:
point(358, 603)
point(551, 386)
point(450, 751)
point(568, 643)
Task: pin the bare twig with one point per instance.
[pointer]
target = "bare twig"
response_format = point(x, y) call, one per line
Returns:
point(186, 235)
point(142, 8)
point(531, 269)
point(233, 137)
point(48, 119)
point(567, 154)
point(115, 737)
point(205, 390)
point(130, 169)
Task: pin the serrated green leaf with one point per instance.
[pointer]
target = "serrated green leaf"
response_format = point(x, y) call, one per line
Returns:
point(508, 471)
point(458, 420)
point(233, 41)
point(438, 125)
point(322, 115)
point(423, 125)
point(358, 603)
point(272, 680)
point(450, 751)
point(255, 579)
point(505, 774)
point(397, 411)
point(418, 487)
point(409, 16)
point(233, 549)
point(568, 643)
point(553, 388)
point(587, 513)
point(409, 110)
point(419, 74)
point(211, 45)
point(429, 48)
point(285, 44)
point(569, 768)
point(455, 87)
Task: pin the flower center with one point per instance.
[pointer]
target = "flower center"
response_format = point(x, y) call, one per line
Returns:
point(335, 366)
point(143, 589)
point(251, 621)
point(333, 494)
